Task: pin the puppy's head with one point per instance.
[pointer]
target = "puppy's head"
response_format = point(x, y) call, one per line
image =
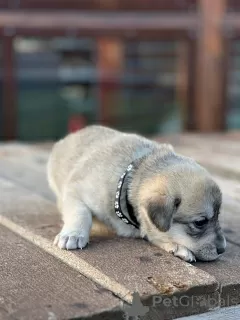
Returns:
point(181, 199)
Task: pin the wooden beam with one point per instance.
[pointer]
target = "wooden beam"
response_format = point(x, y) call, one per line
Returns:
point(183, 80)
point(97, 24)
point(191, 125)
point(105, 5)
point(233, 5)
point(9, 89)
point(209, 104)
point(232, 25)
point(110, 67)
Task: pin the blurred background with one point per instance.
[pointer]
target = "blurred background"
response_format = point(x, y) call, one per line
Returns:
point(152, 67)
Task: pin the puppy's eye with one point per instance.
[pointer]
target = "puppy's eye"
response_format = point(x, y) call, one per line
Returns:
point(177, 202)
point(200, 223)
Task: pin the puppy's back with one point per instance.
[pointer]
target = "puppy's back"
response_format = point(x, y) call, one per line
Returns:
point(68, 150)
point(95, 151)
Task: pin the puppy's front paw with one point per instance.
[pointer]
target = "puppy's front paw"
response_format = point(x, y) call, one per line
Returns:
point(179, 251)
point(71, 240)
point(184, 253)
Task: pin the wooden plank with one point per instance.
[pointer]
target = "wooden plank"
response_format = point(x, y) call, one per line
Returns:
point(95, 24)
point(230, 219)
point(34, 157)
point(222, 164)
point(35, 285)
point(228, 142)
point(31, 179)
point(209, 104)
point(33, 213)
point(26, 166)
point(157, 270)
point(9, 89)
point(216, 153)
point(225, 143)
point(226, 271)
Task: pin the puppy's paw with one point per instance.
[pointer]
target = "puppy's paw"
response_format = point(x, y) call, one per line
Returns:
point(71, 240)
point(179, 251)
point(184, 253)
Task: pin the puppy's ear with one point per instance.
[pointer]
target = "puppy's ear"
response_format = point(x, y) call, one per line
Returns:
point(161, 210)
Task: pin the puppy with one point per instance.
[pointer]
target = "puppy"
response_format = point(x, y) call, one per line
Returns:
point(137, 187)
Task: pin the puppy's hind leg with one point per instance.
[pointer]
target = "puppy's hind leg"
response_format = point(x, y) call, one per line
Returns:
point(77, 220)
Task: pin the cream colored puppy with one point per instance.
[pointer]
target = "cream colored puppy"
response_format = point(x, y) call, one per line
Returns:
point(137, 187)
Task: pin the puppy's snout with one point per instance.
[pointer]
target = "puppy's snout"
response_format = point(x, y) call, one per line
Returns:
point(220, 243)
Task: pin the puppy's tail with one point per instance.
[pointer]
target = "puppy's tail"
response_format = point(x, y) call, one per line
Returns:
point(99, 229)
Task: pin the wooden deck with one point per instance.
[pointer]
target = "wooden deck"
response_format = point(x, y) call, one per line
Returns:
point(40, 281)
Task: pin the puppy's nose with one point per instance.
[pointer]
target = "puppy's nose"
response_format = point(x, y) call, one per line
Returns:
point(221, 243)
point(220, 250)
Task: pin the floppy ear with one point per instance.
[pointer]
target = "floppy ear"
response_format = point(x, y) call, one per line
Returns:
point(160, 212)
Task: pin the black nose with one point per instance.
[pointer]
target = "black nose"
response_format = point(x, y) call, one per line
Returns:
point(220, 250)
point(221, 242)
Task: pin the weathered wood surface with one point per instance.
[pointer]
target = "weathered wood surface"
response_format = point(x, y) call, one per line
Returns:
point(124, 256)
point(36, 286)
point(115, 265)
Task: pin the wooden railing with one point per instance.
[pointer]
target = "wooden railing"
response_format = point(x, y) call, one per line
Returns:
point(101, 5)
point(206, 26)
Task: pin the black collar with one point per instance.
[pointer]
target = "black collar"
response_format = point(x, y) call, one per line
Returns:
point(123, 207)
